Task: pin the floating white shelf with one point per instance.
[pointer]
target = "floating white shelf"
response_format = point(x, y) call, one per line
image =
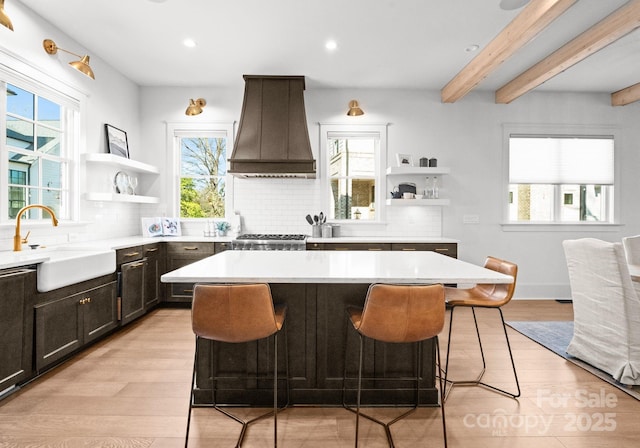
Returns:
point(114, 197)
point(407, 202)
point(422, 170)
point(120, 162)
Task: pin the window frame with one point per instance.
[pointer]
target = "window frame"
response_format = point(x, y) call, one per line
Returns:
point(73, 103)
point(545, 130)
point(176, 131)
point(357, 130)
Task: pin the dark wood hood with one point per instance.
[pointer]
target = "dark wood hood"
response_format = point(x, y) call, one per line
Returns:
point(273, 138)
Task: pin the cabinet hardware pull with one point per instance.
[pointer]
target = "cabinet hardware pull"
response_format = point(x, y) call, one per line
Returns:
point(132, 254)
point(137, 265)
point(442, 249)
point(153, 249)
point(187, 290)
point(12, 273)
point(190, 248)
point(341, 248)
point(374, 248)
point(88, 299)
point(408, 248)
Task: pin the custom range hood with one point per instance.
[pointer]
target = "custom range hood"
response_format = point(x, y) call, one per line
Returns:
point(273, 139)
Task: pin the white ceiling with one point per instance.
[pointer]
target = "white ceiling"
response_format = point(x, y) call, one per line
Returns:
point(381, 43)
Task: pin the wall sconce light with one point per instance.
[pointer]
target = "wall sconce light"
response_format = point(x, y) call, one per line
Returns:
point(195, 107)
point(354, 109)
point(82, 65)
point(4, 18)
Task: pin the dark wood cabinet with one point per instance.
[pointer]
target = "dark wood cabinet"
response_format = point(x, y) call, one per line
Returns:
point(132, 290)
point(182, 254)
point(153, 254)
point(72, 317)
point(131, 266)
point(450, 249)
point(357, 246)
point(16, 325)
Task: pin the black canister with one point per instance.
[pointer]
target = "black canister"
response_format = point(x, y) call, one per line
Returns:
point(433, 162)
point(424, 161)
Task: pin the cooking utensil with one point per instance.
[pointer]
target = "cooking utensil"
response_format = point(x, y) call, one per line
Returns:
point(309, 219)
point(321, 218)
point(315, 219)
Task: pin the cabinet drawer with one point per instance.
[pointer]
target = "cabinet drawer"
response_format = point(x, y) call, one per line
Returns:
point(450, 249)
point(182, 289)
point(357, 246)
point(128, 254)
point(151, 249)
point(198, 249)
point(315, 246)
point(221, 247)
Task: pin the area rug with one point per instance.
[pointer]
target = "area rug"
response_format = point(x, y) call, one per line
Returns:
point(555, 336)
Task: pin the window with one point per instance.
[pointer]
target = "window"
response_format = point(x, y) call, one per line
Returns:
point(201, 162)
point(561, 178)
point(37, 150)
point(353, 160)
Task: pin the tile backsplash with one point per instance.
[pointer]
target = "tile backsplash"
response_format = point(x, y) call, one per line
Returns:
point(280, 206)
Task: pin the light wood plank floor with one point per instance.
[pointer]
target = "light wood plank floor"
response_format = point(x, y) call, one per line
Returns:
point(131, 390)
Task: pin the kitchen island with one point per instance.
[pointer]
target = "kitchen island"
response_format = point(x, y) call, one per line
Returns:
point(317, 286)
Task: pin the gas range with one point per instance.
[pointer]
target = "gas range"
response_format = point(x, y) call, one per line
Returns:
point(269, 241)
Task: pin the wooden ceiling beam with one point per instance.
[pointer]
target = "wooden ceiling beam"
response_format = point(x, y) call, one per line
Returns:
point(618, 24)
point(626, 96)
point(533, 19)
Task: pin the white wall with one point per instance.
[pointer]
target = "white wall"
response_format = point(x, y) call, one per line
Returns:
point(110, 98)
point(465, 136)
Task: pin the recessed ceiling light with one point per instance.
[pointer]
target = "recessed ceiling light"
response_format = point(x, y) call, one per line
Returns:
point(331, 45)
point(512, 4)
point(190, 43)
point(472, 48)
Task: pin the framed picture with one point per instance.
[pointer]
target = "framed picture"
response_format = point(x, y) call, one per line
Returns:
point(151, 227)
point(404, 159)
point(117, 141)
point(171, 227)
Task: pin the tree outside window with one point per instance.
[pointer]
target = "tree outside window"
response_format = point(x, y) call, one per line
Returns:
point(203, 167)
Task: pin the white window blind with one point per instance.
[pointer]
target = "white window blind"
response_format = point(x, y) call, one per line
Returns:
point(561, 160)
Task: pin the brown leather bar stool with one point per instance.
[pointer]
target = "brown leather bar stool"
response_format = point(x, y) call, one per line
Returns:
point(234, 314)
point(399, 314)
point(484, 296)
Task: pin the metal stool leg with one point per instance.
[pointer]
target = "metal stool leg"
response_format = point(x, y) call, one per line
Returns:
point(193, 380)
point(387, 425)
point(477, 381)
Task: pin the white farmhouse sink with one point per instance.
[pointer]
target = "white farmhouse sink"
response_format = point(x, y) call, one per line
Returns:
point(68, 265)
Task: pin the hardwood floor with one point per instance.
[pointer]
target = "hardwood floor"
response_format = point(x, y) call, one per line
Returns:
point(131, 390)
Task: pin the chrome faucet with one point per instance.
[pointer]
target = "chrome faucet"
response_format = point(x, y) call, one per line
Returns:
point(17, 239)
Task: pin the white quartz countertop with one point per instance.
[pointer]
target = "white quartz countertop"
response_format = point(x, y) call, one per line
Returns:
point(10, 259)
point(333, 267)
point(381, 239)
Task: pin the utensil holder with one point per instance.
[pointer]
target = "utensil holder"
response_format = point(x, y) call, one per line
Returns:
point(327, 231)
point(316, 231)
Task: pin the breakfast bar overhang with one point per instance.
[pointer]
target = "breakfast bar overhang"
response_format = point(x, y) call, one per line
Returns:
point(316, 286)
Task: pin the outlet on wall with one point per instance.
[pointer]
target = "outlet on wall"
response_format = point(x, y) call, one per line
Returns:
point(470, 219)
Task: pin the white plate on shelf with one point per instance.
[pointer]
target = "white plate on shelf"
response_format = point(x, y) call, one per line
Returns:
point(121, 182)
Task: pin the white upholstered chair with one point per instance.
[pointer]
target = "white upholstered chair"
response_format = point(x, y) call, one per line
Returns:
point(631, 246)
point(606, 308)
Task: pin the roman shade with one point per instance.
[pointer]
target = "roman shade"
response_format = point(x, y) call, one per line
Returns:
point(561, 160)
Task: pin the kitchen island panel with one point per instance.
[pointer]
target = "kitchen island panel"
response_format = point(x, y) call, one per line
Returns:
point(316, 327)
